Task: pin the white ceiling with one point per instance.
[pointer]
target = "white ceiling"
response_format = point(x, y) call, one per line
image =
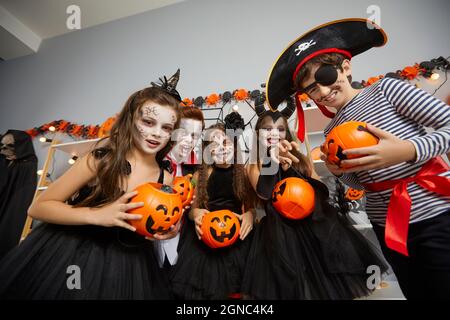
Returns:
point(47, 18)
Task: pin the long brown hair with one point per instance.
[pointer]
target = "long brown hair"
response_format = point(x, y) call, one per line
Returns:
point(303, 166)
point(112, 166)
point(241, 185)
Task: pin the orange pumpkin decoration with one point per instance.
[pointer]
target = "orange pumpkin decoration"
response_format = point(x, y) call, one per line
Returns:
point(349, 135)
point(220, 228)
point(106, 126)
point(293, 198)
point(354, 194)
point(161, 210)
point(185, 189)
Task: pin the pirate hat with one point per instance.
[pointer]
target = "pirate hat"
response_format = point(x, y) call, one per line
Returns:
point(348, 37)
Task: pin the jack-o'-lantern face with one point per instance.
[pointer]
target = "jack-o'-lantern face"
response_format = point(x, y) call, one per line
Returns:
point(220, 228)
point(354, 194)
point(293, 198)
point(161, 210)
point(185, 188)
point(349, 135)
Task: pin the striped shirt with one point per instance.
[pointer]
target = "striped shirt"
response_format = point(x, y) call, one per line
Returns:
point(403, 110)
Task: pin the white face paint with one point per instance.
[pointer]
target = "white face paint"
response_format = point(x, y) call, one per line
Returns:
point(186, 137)
point(221, 148)
point(155, 125)
point(7, 147)
point(272, 132)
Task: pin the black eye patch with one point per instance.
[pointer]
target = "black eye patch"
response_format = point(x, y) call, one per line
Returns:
point(326, 75)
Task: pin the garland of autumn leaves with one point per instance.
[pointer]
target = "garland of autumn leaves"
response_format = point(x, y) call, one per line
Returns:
point(424, 69)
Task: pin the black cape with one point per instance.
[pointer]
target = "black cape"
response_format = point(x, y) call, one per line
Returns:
point(18, 182)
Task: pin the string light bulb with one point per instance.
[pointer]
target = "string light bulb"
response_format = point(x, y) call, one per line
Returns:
point(51, 128)
point(44, 139)
point(434, 76)
point(72, 160)
point(40, 172)
point(235, 108)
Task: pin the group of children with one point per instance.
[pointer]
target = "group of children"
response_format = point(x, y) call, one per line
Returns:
point(319, 257)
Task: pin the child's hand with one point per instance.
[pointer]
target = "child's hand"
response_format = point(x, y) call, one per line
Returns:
point(281, 153)
point(115, 214)
point(389, 151)
point(198, 216)
point(246, 223)
point(173, 231)
point(334, 169)
point(190, 204)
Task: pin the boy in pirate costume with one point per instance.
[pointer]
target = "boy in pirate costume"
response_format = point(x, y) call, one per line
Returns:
point(407, 183)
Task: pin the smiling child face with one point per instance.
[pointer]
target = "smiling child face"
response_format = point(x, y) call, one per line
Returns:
point(155, 125)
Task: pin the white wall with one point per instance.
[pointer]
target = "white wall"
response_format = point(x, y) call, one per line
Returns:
point(85, 76)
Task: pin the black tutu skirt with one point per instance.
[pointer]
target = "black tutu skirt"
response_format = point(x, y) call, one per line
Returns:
point(321, 257)
point(113, 263)
point(202, 273)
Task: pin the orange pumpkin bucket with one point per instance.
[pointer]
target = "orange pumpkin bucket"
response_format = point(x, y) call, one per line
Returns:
point(161, 209)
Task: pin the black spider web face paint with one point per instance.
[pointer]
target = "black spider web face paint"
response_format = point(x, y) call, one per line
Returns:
point(150, 111)
point(142, 131)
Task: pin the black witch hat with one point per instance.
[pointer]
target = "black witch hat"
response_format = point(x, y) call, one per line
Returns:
point(169, 85)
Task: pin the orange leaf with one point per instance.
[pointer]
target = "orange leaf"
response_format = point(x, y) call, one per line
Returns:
point(410, 72)
point(303, 97)
point(212, 99)
point(186, 102)
point(241, 94)
point(372, 80)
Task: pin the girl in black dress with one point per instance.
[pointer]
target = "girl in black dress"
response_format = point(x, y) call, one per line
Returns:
point(319, 257)
point(202, 272)
point(90, 235)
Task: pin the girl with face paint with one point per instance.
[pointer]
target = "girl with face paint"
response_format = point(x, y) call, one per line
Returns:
point(318, 257)
point(202, 272)
point(84, 213)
